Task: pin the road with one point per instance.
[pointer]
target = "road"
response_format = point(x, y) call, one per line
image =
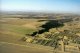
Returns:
point(6, 47)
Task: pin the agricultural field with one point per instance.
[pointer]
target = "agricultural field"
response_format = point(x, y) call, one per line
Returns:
point(17, 27)
point(13, 30)
point(42, 33)
point(39, 26)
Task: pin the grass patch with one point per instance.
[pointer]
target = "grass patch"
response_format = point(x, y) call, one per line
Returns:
point(16, 29)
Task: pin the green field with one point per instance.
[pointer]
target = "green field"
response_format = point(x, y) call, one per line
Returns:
point(12, 30)
point(16, 29)
point(16, 26)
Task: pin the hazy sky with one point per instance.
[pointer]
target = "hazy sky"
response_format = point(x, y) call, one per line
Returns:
point(41, 5)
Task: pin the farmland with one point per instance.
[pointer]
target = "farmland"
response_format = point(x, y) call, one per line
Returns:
point(40, 32)
point(13, 30)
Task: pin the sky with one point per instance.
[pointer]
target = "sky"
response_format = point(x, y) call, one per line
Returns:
point(69, 6)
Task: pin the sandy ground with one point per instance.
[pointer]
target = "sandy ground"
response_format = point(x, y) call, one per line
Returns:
point(17, 48)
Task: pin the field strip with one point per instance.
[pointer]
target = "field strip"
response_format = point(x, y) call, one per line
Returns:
point(23, 45)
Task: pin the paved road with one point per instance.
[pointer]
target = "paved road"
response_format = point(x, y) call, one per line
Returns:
point(6, 47)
